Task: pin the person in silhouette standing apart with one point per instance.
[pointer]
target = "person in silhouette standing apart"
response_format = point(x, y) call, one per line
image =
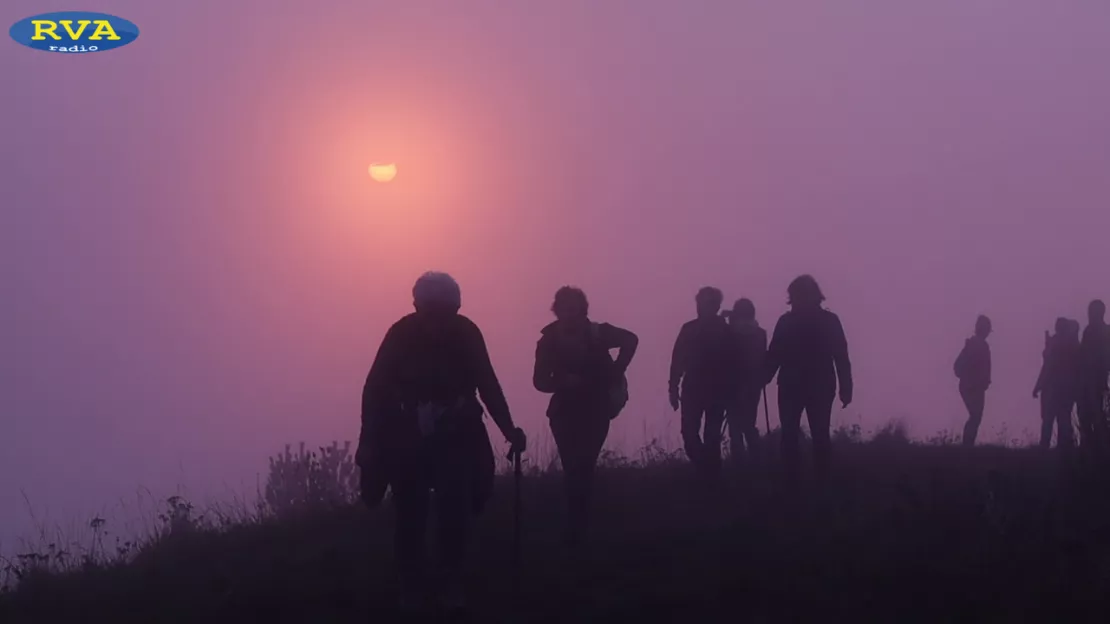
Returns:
point(1058, 383)
point(809, 353)
point(973, 368)
point(1095, 364)
point(742, 410)
point(587, 389)
point(702, 363)
point(422, 430)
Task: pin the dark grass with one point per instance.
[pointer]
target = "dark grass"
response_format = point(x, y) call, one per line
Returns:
point(898, 532)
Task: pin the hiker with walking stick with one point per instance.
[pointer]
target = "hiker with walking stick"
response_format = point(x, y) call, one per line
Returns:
point(743, 408)
point(588, 389)
point(422, 430)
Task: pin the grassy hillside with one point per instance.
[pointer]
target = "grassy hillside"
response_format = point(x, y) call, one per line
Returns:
point(898, 532)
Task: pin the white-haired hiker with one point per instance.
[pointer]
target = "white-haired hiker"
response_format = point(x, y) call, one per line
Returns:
point(422, 430)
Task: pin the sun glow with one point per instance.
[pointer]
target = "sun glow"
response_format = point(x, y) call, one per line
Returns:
point(383, 172)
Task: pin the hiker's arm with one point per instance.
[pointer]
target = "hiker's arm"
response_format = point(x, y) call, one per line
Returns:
point(773, 359)
point(378, 398)
point(489, 388)
point(543, 374)
point(841, 360)
point(988, 366)
point(678, 360)
point(623, 340)
point(377, 392)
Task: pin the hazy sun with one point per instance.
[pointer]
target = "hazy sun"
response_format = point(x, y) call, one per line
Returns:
point(383, 172)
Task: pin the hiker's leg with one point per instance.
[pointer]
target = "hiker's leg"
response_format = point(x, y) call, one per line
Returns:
point(975, 401)
point(819, 413)
point(454, 506)
point(1086, 419)
point(790, 421)
point(594, 433)
point(691, 430)
point(714, 422)
point(411, 506)
point(735, 437)
point(1065, 439)
point(1048, 418)
point(573, 444)
point(749, 415)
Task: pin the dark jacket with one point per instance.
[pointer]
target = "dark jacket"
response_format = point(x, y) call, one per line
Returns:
point(703, 361)
point(422, 359)
point(1060, 371)
point(1095, 354)
point(751, 354)
point(557, 358)
point(973, 365)
point(809, 352)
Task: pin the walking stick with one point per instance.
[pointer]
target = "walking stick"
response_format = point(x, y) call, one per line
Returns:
point(766, 410)
point(518, 474)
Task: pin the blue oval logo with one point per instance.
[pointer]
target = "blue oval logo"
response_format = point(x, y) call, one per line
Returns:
point(74, 32)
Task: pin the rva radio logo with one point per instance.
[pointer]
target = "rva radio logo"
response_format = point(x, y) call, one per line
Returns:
point(74, 32)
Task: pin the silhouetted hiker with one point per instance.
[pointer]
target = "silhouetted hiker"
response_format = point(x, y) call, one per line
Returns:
point(702, 363)
point(809, 352)
point(587, 389)
point(973, 368)
point(1058, 383)
point(423, 431)
point(1095, 364)
point(742, 410)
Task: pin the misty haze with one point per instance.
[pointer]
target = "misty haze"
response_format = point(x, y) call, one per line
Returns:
point(205, 236)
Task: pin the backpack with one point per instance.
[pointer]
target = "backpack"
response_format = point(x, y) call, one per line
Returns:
point(960, 366)
point(618, 392)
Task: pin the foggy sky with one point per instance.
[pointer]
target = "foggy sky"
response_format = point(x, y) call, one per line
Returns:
point(195, 268)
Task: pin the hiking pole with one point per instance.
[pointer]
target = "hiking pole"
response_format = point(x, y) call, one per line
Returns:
point(518, 475)
point(766, 410)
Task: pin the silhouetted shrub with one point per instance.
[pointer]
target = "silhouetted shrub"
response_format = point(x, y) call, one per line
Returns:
point(308, 481)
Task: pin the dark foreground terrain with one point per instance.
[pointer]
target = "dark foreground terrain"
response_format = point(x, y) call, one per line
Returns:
point(899, 533)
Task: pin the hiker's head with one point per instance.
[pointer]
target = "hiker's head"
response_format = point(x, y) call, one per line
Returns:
point(1063, 326)
point(982, 326)
point(1073, 330)
point(804, 292)
point(1096, 312)
point(570, 304)
point(709, 301)
point(743, 310)
point(436, 293)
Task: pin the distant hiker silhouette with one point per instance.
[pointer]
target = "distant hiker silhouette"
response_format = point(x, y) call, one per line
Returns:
point(700, 380)
point(1094, 367)
point(422, 430)
point(973, 368)
point(742, 410)
point(588, 389)
point(1058, 383)
point(809, 352)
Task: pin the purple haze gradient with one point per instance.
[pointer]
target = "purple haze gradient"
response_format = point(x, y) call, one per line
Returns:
point(196, 268)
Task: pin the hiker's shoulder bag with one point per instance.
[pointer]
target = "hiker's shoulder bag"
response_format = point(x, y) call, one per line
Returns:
point(617, 391)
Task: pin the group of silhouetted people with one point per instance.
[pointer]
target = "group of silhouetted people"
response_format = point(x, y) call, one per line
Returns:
point(719, 370)
point(423, 435)
point(1073, 378)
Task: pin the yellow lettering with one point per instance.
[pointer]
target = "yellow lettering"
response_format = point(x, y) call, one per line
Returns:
point(44, 27)
point(74, 35)
point(103, 27)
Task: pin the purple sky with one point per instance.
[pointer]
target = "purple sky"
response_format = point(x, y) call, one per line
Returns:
point(195, 268)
